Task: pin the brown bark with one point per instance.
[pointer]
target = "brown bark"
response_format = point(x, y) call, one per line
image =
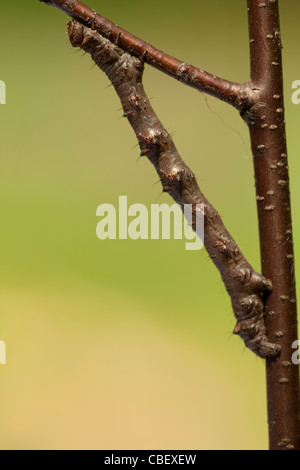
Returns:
point(268, 138)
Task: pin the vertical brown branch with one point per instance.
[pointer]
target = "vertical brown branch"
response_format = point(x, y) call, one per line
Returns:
point(268, 139)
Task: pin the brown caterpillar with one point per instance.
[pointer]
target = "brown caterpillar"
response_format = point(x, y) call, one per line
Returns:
point(244, 285)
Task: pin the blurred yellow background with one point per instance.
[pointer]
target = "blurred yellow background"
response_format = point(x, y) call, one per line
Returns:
point(124, 344)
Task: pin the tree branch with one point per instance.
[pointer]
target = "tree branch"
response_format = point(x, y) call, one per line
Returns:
point(243, 284)
point(230, 92)
point(268, 138)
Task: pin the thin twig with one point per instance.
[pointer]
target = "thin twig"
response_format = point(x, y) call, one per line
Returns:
point(243, 284)
point(230, 92)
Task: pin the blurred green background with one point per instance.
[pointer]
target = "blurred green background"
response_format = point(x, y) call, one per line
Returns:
point(124, 344)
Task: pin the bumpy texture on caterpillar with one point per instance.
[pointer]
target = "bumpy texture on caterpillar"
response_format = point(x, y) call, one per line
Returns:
point(244, 285)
